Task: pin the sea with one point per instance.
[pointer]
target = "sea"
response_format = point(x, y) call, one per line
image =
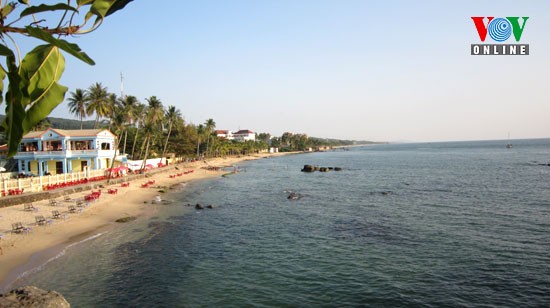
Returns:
point(450, 224)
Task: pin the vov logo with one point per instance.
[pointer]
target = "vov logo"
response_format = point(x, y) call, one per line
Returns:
point(499, 30)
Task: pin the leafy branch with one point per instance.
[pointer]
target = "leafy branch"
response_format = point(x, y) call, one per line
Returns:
point(32, 90)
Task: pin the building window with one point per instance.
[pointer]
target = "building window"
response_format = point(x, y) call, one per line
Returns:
point(58, 167)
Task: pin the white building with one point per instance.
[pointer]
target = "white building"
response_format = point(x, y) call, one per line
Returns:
point(242, 135)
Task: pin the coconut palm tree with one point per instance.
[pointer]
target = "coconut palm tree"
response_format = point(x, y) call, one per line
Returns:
point(200, 131)
point(155, 110)
point(172, 115)
point(209, 126)
point(149, 129)
point(139, 110)
point(113, 106)
point(77, 104)
point(98, 101)
point(153, 121)
point(129, 106)
point(117, 123)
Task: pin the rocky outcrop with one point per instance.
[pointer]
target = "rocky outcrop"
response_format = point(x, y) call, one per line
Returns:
point(312, 168)
point(30, 296)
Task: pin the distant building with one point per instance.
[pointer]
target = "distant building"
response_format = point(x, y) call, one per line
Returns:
point(225, 134)
point(57, 151)
point(241, 135)
point(244, 135)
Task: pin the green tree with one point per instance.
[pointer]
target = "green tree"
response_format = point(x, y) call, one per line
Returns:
point(32, 90)
point(209, 126)
point(153, 124)
point(129, 107)
point(139, 109)
point(200, 132)
point(172, 115)
point(98, 102)
point(155, 111)
point(77, 104)
point(117, 122)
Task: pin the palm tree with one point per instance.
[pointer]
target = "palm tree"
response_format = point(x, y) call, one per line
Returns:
point(117, 123)
point(152, 123)
point(149, 129)
point(129, 106)
point(77, 104)
point(155, 110)
point(209, 126)
point(98, 101)
point(139, 109)
point(172, 114)
point(113, 106)
point(200, 131)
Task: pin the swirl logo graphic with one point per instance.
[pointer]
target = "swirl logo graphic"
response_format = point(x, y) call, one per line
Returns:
point(499, 29)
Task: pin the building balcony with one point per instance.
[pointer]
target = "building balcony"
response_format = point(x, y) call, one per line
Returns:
point(36, 155)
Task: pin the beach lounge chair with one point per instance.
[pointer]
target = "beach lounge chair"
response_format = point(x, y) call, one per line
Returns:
point(29, 207)
point(67, 199)
point(40, 220)
point(72, 209)
point(53, 202)
point(19, 228)
point(56, 214)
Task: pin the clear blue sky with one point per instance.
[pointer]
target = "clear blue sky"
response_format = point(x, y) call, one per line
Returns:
point(370, 70)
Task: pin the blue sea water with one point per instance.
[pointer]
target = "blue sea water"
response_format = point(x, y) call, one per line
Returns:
point(444, 224)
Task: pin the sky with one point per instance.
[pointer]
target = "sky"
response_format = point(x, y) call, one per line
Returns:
point(362, 70)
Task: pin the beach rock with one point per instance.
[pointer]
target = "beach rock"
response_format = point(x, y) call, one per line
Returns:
point(198, 206)
point(30, 296)
point(293, 196)
point(126, 219)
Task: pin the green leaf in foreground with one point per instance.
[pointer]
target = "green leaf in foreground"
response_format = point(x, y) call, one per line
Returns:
point(70, 48)
point(44, 8)
point(41, 69)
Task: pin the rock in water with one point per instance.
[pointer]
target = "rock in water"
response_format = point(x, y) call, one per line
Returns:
point(293, 196)
point(30, 296)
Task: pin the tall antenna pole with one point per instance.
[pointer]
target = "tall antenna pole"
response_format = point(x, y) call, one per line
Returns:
point(121, 86)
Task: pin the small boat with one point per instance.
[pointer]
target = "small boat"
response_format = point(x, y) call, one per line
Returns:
point(509, 144)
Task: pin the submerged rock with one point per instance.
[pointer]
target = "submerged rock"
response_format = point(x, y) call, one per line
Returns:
point(293, 196)
point(30, 296)
point(126, 219)
point(198, 206)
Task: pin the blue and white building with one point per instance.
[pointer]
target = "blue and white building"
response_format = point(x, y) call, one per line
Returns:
point(58, 151)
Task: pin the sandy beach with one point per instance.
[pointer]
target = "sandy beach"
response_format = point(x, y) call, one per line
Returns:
point(17, 250)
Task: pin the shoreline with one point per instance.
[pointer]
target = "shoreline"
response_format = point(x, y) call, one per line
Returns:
point(22, 253)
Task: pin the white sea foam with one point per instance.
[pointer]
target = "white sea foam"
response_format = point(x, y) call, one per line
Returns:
point(57, 256)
